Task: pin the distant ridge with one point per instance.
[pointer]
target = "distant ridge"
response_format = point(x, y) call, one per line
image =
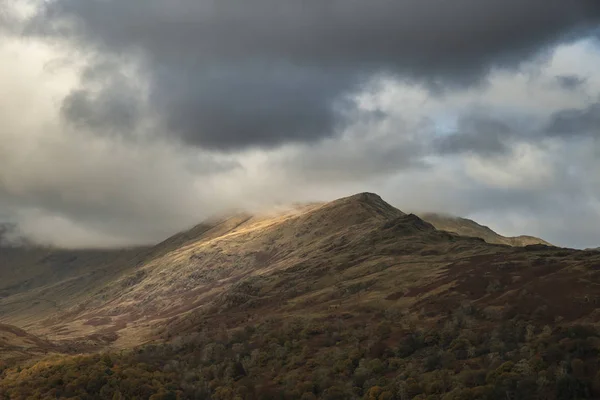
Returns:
point(467, 227)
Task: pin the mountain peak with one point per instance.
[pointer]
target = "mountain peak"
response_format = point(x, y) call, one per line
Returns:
point(366, 197)
point(369, 199)
point(360, 207)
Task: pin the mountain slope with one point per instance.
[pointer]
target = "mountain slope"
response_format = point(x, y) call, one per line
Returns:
point(36, 282)
point(307, 259)
point(15, 343)
point(467, 227)
point(344, 300)
point(219, 266)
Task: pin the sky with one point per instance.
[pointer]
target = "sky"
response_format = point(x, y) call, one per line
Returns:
point(124, 121)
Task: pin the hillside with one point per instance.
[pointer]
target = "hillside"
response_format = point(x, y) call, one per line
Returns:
point(36, 282)
point(348, 299)
point(307, 252)
point(467, 227)
point(15, 343)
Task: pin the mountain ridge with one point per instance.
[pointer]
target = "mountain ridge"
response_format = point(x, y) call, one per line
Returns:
point(468, 227)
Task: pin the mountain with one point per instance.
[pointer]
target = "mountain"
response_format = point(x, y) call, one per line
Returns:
point(348, 299)
point(206, 266)
point(467, 227)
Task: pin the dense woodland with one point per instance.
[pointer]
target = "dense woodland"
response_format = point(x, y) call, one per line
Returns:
point(468, 354)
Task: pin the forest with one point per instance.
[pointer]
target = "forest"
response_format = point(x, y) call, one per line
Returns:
point(469, 354)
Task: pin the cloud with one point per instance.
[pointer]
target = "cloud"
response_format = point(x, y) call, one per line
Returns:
point(479, 134)
point(375, 145)
point(77, 191)
point(253, 105)
point(111, 109)
point(576, 122)
point(570, 82)
point(227, 75)
point(64, 186)
point(128, 121)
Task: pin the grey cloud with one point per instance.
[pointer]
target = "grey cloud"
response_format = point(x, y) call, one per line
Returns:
point(106, 101)
point(107, 111)
point(74, 190)
point(478, 134)
point(246, 105)
point(10, 236)
point(570, 82)
point(391, 145)
point(9, 21)
point(575, 122)
point(534, 211)
point(489, 134)
point(229, 74)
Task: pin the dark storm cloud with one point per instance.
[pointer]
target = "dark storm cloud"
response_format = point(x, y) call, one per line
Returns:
point(229, 74)
point(244, 105)
point(575, 122)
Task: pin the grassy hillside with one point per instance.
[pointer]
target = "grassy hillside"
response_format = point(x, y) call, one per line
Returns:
point(37, 282)
point(16, 344)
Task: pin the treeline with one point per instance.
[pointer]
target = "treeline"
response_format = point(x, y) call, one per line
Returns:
point(468, 355)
